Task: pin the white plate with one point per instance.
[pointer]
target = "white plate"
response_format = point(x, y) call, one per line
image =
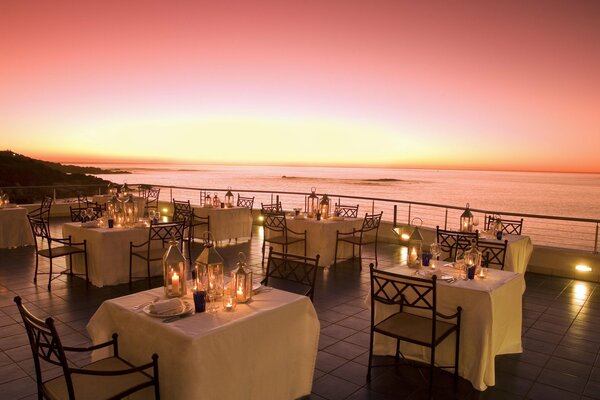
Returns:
point(187, 307)
point(256, 287)
point(429, 274)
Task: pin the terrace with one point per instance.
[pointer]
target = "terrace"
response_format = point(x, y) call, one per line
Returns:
point(561, 326)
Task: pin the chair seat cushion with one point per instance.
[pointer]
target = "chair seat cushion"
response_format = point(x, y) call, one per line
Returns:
point(413, 327)
point(60, 251)
point(94, 386)
point(155, 254)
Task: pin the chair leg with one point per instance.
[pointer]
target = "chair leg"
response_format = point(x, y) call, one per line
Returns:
point(50, 275)
point(37, 261)
point(397, 357)
point(375, 253)
point(130, 267)
point(149, 278)
point(335, 254)
point(263, 254)
point(71, 264)
point(87, 279)
point(370, 357)
point(431, 367)
point(360, 258)
point(456, 356)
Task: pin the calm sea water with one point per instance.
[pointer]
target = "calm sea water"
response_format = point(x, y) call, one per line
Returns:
point(562, 194)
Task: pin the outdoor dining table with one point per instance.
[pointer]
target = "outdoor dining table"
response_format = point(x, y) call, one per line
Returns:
point(321, 237)
point(140, 202)
point(518, 251)
point(490, 321)
point(225, 223)
point(108, 252)
point(14, 227)
point(264, 349)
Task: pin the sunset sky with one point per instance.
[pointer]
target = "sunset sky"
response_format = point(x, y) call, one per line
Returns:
point(512, 85)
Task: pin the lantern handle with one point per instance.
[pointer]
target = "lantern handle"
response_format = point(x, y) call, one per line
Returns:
point(206, 236)
point(241, 257)
point(313, 189)
point(467, 206)
point(413, 220)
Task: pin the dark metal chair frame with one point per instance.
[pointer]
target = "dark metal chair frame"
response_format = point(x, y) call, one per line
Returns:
point(40, 228)
point(271, 208)
point(184, 212)
point(78, 214)
point(454, 242)
point(360, 237)
point(292, 268)
point(43, 211)
point(162, 232)
point(45, 343)
point(346, 211)
point(151, 196)
point(277, 225)
point(509, 226)
point(493, 253)
point(411, 293)
point(247, 202)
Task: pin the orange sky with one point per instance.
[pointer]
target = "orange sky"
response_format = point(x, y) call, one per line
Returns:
point(477, 84)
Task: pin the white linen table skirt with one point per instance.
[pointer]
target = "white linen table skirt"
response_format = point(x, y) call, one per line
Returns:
point(518, 251)
point(14, 228)
point(108, 253)
point(490, 325)
point(225, 223)
point(264, 349)
point(321, 238)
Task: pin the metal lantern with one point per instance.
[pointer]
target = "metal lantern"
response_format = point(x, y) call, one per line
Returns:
point(229, 198)
point(466, 220)
point(241, 279)
point(415, 246)
point(313, 202)
point(112, 189)
point(324, 207)
point(215, 201)
point(129, 209)
point(207, 200)
point(174, 271)
point(472, 260)
point(211, 262)
point(111, 206)
point(497, 225)
point(125, 191)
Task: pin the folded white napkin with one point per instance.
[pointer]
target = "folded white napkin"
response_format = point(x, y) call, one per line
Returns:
point(90, 224)
point(166, 306)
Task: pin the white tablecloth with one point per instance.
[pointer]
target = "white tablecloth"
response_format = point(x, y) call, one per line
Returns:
point(140, 202)
point(490, 325)
point(265, 349)
point(518, 251)
point(108, 253)
point(321, 237)
point(225, 223)
point(14, 228)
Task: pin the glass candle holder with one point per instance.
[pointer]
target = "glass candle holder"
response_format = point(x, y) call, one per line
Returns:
point(229, 301)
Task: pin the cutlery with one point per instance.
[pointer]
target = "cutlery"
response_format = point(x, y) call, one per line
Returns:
point(144, 304)
point(176, 317)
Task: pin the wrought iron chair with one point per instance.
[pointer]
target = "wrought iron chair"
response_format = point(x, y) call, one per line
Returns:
point(112, 377)
point(162, 233)
point(79, 214)
point(277, 232)
point(364, 236)
point(247, 202)
point(346, 211)
point(293, 273)
point(272, 208)
point(183, 212)
point(43, 211)
point(493, 253)
point(455, 243)
point(84, 202)
point(509, 226)
point(415, 318)
point(57, 247)
point(150, 196)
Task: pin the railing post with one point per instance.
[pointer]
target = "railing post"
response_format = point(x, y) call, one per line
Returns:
point(373, 207)
point(446, 220)
point(596, 240)
point(54, 194)
point(395, 215)
point(409, 211)
point(171, 193)
point(277, 200)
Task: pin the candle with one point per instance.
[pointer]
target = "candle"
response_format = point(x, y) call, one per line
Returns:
point(481, 273)
point(240, 293)
point(175, 283)
point(229, 304)
point(413, 255)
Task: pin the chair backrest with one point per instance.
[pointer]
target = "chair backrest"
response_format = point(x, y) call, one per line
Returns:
point(493, 253)
point(301, 271)
point(273, 208)
point(346, 211)
point(39, 228)
point(407, 291)
point(371, 223)
point(45, 344)
point(166, 231)
point(79, 214)
point(247, 202)
point(182, 211)
point(454, 242)
point(152, 195)
point(509, 226)
point(275, 223)
point(43, 211)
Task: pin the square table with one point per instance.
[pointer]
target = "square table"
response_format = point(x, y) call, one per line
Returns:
point(264, 349)
point(321, 237)
point(108, 253)
point(225, 223)
point(14, 228)
point(140, 202)
point(490, 322)
point(518, 250)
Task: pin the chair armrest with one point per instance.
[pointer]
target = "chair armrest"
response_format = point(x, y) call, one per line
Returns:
point(131, 245)
point(297, 233)
point(455, 315)
point(133, 369)
point(354, 231)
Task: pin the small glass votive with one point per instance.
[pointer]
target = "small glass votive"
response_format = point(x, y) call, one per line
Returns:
point(229, 301)
point(482, 273)
point(425, 257)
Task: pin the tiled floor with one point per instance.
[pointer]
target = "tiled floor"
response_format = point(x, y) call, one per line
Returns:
point(561, 334)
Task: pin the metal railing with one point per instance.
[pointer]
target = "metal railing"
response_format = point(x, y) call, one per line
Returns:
point(555, 231)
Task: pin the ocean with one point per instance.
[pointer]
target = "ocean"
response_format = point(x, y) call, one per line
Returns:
point(542, 193)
